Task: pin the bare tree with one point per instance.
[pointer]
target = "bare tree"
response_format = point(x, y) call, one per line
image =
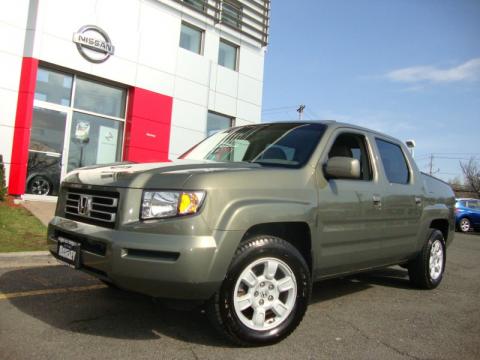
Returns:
point(471, 173)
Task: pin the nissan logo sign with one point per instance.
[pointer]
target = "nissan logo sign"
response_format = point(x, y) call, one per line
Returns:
point(93, 43)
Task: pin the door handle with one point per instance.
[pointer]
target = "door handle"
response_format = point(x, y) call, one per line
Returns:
point(418, 200)
point(377, 200)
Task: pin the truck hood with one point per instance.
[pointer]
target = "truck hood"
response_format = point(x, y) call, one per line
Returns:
point(167, 175)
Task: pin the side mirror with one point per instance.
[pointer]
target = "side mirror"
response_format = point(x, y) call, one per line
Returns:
point(340, 167)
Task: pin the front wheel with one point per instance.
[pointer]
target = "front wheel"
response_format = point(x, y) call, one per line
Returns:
point(40, 185)
point(265, 293)
point(426, 270)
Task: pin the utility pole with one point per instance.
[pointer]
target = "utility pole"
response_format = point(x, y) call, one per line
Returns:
point(431, 164)
point(300, 110)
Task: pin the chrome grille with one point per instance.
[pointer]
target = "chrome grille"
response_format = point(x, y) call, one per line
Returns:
point(91, 207)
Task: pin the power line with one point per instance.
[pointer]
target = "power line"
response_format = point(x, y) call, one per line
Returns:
point(313, 115)
point(279, 108)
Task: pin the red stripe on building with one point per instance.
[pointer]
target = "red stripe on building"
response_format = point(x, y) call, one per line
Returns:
point(23, 123)
point(147, 132)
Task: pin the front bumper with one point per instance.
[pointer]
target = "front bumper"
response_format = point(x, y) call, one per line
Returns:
point(161, 265)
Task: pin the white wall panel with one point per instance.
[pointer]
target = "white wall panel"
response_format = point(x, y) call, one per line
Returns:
point(211, 45)
point(227, 81)
point(159, 38)
point(61, 52)
point(193, 66)
point(11, 39)
point(251, 62)
point(248, 111)
point(225, 104)
point(191, 91)
point(249, 89)
point(182, 139)
point(154, 80)
point(14, 15)
point(241, 122)
point(8, 108)
point(188, 115)
point(6, 143)
point(117, 69)
point(11, 66)
point(62, 18)
point(211, 99)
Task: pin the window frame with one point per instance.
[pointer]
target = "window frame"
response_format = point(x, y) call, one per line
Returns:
point(202, 37)
point(368, 149)
point(71, 109)
point(405, 159)
point(237, 53)
point(232, 121)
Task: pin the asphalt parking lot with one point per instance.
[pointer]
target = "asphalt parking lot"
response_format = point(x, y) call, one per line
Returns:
point(54, 312)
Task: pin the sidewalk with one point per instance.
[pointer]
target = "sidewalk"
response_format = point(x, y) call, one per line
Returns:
point(43, 210)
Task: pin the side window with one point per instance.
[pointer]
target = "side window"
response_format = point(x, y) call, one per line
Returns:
point(228, 55)
point(191, 38)
point(353, 146)
point(394, 163)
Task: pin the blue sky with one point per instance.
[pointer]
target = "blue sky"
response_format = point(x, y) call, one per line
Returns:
point(410, 68)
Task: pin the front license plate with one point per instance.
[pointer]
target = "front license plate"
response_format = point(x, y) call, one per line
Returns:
point(69, 251)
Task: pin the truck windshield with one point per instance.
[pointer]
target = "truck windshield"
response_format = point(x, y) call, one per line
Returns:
point(280, 144)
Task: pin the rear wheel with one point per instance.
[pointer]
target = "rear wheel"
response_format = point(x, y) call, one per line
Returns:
point(265, 293)
point(426, 270)
point(464, 225)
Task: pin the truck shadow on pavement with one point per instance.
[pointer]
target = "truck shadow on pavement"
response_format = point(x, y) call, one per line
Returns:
point(48, 294)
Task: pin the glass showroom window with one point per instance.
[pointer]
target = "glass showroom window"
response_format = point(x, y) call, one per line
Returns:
point(228, 55)
point(217, 122)
point(76, 122)
point(191, 38)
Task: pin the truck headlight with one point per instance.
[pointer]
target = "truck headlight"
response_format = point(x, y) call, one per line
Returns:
point(163, 204)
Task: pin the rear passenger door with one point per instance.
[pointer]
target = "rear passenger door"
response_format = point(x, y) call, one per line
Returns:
point(401, 200)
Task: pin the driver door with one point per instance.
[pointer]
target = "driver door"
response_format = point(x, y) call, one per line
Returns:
point(349, 216)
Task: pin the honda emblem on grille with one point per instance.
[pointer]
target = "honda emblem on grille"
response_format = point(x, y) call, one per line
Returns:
point(85, 205)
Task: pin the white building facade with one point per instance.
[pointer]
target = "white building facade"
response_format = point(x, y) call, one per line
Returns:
point(87, 82)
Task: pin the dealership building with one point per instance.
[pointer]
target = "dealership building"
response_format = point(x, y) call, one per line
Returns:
point(87, 82)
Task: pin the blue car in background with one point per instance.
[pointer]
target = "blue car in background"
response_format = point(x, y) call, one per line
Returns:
point(467, 213)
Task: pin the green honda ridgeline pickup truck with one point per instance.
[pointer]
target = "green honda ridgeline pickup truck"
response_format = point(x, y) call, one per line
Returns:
point(247, 219)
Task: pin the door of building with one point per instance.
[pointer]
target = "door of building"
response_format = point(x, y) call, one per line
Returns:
point(76, 122)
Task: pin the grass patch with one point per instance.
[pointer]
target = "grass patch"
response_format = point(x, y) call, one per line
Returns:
point(20, 230)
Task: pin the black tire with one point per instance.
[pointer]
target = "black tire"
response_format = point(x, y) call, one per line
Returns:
point(40, 185)
point(220, 308)
point(464, 225)
point(419, 268)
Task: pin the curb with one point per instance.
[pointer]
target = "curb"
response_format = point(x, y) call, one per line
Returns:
point(27, 259)
point(17, 254)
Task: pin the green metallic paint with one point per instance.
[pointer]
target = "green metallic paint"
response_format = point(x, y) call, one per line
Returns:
point(349, 232)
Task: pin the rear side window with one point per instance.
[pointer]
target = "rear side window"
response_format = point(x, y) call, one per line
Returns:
point(394, 162)
point(473, 204)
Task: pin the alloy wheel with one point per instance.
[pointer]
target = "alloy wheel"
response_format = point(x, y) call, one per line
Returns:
point(436, 260)
point(40, 186)
point(265, 293)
